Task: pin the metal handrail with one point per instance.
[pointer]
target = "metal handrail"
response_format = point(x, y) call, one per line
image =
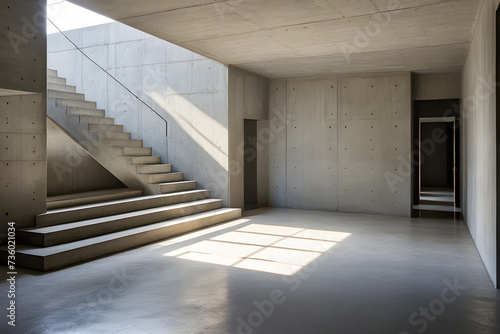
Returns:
point(118, 81)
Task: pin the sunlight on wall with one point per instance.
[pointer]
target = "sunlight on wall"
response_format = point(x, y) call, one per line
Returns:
point(274, 249)
point(201, 127)
point(68, 16)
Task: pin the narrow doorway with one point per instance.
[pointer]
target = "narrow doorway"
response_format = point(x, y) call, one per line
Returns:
point(250, 165)
point(436, 142)
point(437, 172)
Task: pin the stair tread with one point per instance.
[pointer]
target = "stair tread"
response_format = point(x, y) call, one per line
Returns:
point(141, 156)
point(154, 165)
point(188, 181)
point(78, 108)
point(55, 86)
point(95, 221)
point(96, 119)
point(135, 147)
point(92, 193)
point(120, 201)
point(63, 91)
point(47, 251)
point(164, 173)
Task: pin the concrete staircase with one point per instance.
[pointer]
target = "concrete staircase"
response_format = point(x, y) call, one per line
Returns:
point(84, 226)
point(124, 157)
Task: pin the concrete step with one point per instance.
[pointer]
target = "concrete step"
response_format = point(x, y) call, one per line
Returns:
point(107, 135)
point(436, 202)
point(105, 128)
point(163, 177)
point(172, 187)
point(51, 72)
point(109, 208)
point(152, 169)
point(124, 143)
point(88, 197)
point(96, 120)
point(63, 88)
point(70, 232)
point(143, 160)
point(85, 112)
point(55, 257)
point(135, 150)
point(64, 95)
point(75, 103)
point(56, 80)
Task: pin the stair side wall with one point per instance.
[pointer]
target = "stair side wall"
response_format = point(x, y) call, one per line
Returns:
point(70, 169)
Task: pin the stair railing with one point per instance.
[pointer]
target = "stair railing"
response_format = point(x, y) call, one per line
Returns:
point(112, 77)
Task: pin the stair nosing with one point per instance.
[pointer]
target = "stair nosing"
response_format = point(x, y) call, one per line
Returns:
point(184, 181)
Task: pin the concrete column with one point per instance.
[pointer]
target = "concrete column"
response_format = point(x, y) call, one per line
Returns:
point(23, 50)
point(248, 99)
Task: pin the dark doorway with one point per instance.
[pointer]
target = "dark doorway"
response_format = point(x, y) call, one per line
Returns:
point(436, 188)
point(250, 166)
point(439, 162)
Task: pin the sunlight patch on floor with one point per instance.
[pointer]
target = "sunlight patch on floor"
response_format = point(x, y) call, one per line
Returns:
point(267, 248)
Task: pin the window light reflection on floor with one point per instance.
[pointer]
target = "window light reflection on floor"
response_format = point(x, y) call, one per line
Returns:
point(268, 248)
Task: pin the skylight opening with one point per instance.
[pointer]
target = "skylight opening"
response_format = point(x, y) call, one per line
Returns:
point(68, 16)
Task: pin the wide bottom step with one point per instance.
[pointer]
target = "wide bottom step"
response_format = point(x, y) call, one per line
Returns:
point(55, 257)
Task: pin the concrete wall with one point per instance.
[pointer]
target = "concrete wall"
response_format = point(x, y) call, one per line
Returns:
point(248, 99)
point(188, 90)
point(478, 139)
point(312, 144)
point(70, 168)
point(436, 86)
point(339, 143)
point(22, 112)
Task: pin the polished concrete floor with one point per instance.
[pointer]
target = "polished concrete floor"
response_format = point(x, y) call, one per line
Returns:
point(274, 271)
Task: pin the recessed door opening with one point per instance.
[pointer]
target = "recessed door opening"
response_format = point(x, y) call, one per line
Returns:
point(437, 186)
point(250, 165)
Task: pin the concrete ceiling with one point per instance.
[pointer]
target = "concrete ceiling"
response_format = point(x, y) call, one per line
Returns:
point(292, 38)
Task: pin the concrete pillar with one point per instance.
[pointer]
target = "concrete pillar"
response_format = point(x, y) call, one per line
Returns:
point(23, 67)
point(248, 98)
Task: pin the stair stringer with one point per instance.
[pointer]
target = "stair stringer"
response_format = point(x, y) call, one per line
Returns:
point(108, 157)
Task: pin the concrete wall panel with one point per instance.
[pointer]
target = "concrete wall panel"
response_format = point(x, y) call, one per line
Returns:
point(278, 142)
point(23, 159)
point(23, 83)
point(312, 143)
point(256, 97)
point(176, 71)
point(437, 86)
point(157, 57)
point(343, 136)
point(23, 45)
point(478, 155)
point(23, 113)
point(209, 69)
point(374, 137)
